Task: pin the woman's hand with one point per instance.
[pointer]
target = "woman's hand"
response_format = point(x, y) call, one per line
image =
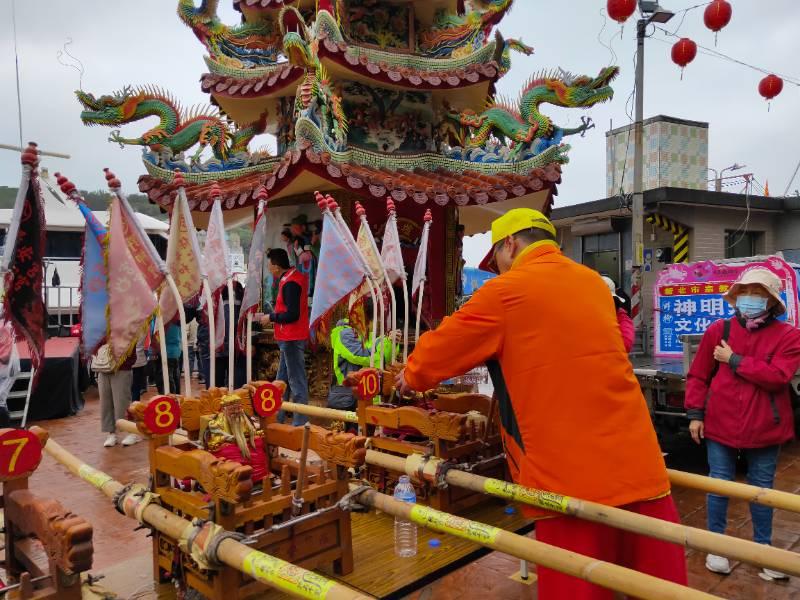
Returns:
point(723, 352)
point(697, 429)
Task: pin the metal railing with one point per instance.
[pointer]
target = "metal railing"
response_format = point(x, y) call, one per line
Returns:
point(62, 301)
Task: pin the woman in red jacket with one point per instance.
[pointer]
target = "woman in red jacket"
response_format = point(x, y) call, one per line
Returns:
point(737, 397)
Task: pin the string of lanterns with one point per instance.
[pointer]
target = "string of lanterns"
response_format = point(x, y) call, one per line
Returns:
point(716, 17)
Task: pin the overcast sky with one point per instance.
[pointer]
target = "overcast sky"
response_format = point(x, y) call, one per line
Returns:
point(124, 42)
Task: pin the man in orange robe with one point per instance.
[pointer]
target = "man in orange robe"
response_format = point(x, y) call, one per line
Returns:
point(573, 417)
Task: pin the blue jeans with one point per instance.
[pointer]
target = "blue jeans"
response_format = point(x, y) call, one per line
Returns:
point(761, 465)
point(292, 370)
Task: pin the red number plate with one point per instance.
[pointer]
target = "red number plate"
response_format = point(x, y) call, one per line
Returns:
point(20, 452)
point(162, 415)
point(267, 400)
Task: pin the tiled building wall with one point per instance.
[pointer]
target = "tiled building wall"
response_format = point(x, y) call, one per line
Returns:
point(675, 155)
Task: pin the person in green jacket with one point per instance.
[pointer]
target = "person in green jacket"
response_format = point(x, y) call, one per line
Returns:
point(351, 352)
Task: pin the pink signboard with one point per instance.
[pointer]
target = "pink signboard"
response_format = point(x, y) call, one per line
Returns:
point(688, 298)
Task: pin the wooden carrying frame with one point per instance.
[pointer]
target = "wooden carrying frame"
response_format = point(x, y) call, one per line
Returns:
point(462, 428)
point(46, 546)
point(223, 491)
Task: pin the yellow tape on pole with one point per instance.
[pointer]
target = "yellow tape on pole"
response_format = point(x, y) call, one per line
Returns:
point(518, 493)
point(286, 576)
point(447, 523)
point(97, 478)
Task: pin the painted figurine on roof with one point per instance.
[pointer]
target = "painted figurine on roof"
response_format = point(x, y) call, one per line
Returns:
point(372, 97)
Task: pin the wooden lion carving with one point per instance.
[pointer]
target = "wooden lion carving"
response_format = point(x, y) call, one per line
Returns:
point(66, 538)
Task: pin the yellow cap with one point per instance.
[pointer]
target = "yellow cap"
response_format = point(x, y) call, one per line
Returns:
point(520, 219)
point(514, 221)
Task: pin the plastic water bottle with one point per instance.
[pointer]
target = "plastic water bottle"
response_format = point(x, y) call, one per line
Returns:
point(405, 532)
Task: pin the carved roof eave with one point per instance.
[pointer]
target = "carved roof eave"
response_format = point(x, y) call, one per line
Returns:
point(440, 186)
point(281, 79)
point(409, 77)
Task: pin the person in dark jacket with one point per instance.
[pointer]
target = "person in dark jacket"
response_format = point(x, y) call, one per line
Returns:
point(351, 352)
point(290, 319)
point(737, 397)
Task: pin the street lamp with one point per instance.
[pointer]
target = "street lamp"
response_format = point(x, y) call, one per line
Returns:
point(718, 175)
point(651, 12)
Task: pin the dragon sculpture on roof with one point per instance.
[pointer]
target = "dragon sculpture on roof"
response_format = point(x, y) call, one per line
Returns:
point(246, 46)
point(522, 127)
point(456, 35)
point(177, 130)
point(317, 97)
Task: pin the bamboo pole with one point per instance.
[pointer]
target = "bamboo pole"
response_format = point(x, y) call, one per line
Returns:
point(734, 489)
point(690, 537)
point(249, 347)
point(267, 569)
point(595, 571)
point(231, 332)
point(187, 374)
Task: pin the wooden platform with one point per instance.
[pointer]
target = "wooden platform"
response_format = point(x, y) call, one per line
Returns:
point(380, 573)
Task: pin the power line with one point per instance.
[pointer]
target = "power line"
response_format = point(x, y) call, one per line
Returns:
point(16, 68)
point(717, 54)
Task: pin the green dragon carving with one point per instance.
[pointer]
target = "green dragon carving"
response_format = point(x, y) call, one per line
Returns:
point(317, 91)
point(524, 124)
point(249, 45)
point(504, 48)
point(177, 130)
point(453, 35)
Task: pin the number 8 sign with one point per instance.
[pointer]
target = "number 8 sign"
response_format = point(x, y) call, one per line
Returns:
point(369, 386)
point(162, 415)
point(20, 453)
point(267, 399)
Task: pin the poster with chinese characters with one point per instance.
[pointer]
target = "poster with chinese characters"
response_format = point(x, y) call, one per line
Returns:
point(688, 298)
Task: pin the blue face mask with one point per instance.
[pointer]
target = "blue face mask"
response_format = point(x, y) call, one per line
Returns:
point(751, 306)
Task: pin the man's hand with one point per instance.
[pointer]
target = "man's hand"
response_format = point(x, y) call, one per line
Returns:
point(265, 320)
point(723, 352)
point(697, 429)
point(401, 385)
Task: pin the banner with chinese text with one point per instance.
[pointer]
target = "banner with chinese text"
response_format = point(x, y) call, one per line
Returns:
point(688, 298)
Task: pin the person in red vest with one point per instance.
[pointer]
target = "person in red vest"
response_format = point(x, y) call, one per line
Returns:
point(290, 320)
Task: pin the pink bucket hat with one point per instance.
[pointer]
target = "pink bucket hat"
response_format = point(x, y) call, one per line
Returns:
point(758, 276)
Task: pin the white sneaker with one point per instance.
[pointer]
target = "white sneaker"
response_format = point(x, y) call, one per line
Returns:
point(111, 440)
point(718, 564)
point(770, 575)
point(131, 439)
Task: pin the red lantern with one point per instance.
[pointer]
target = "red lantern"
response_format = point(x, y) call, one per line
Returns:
point(717, 15)
point(770, 86)
point(620, 10)
point(683, 52)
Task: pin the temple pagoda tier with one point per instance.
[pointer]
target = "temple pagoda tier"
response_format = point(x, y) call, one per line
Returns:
point(368, 99)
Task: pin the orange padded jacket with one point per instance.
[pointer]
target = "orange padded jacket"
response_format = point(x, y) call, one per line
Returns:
point(573, 417)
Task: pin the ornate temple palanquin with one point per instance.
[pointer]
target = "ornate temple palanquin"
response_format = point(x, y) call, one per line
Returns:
point(46, 546)
point(461, 428)
point(309, 531)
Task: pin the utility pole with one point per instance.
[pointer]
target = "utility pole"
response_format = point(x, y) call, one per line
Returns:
point(637, 223)
point(651, 12)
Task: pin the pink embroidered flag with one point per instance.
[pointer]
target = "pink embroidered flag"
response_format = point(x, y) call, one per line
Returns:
point(183, 255)
point(391, 253)
point(421, 265)
point(253, 288)
point(135, 275)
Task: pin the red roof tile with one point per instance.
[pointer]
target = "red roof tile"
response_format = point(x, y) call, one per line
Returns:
point(440, 186)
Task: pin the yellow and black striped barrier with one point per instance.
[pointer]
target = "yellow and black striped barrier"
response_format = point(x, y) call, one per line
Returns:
point(680, 236)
